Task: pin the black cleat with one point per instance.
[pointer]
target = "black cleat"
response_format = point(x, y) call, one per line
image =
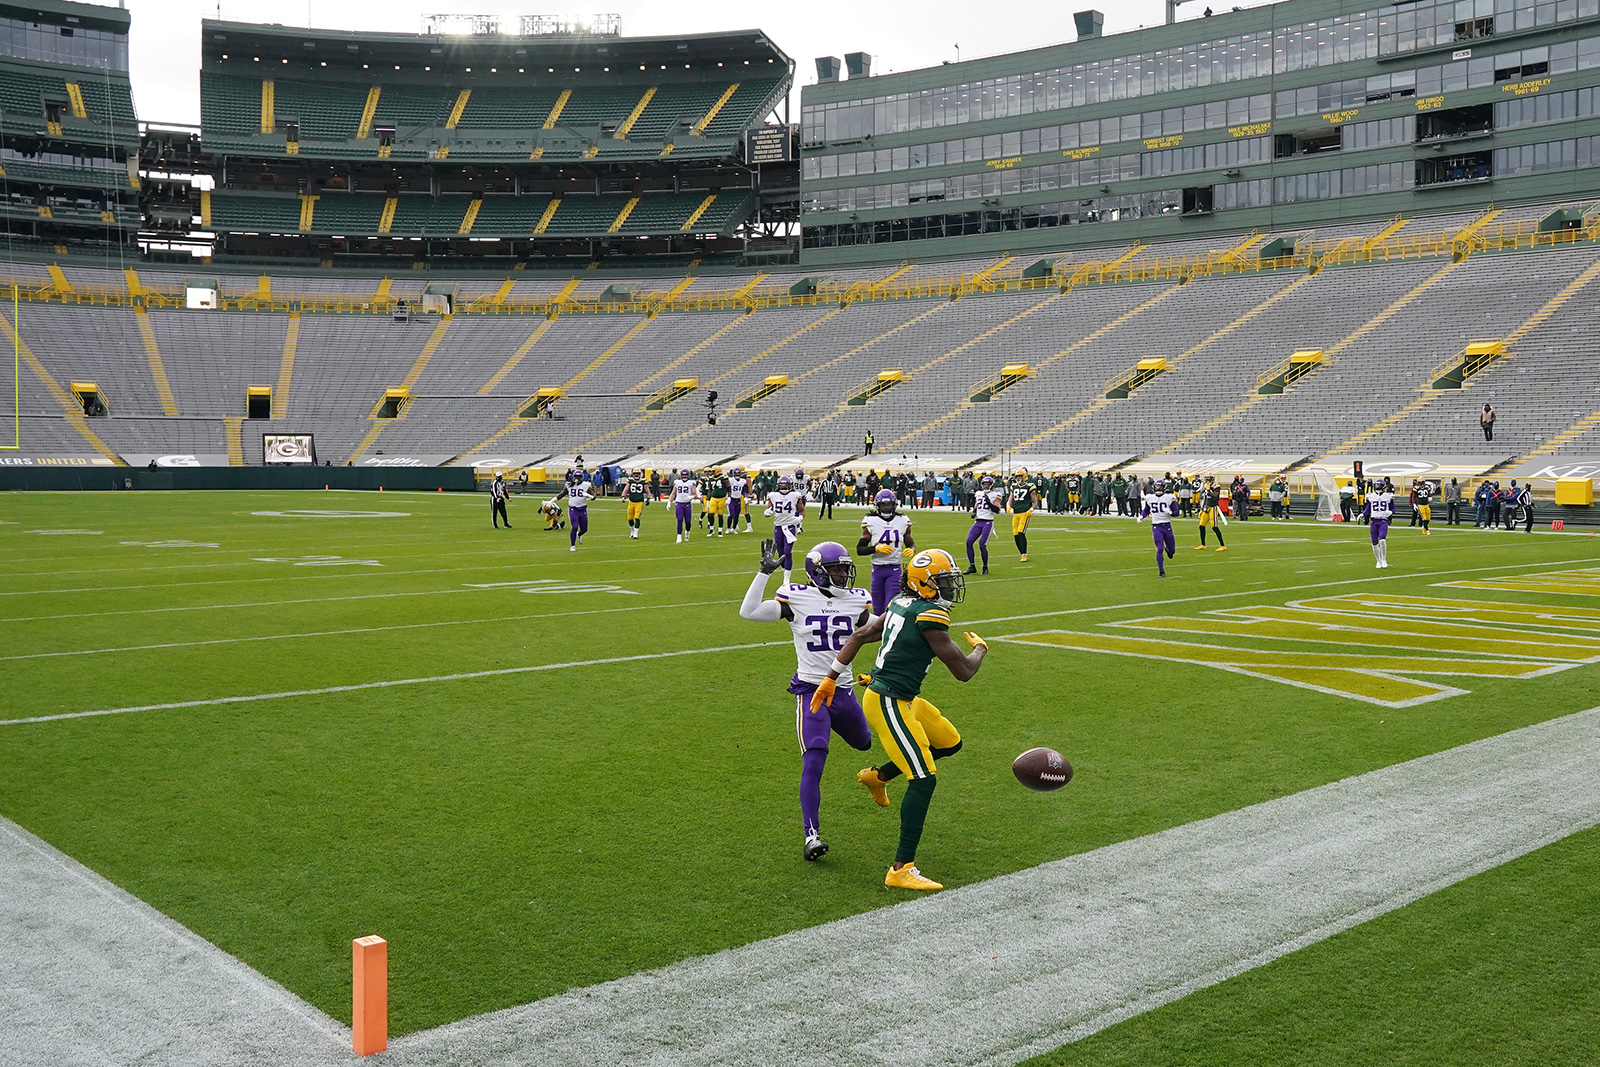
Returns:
point(986, 570)
point(970, 570)
point(815, 848)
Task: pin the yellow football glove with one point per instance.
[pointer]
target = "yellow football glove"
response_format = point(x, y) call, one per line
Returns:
point(907, 553)
point(975, 641)
point(884, 550)
point(863, 679)
point(823, 695)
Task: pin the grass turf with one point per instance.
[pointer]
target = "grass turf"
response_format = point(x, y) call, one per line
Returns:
point(518, 835)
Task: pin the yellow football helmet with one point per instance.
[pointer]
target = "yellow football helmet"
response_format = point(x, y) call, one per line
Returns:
point(933, 575)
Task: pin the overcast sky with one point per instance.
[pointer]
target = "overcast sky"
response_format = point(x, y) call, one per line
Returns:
point(165, 50)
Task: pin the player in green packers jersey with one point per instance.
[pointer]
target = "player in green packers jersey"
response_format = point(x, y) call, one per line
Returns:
point(716, 490)
point(638, 494)
point(913, 630)
point(1021, 501)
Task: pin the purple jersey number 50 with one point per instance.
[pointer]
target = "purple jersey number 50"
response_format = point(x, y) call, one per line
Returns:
point(822, 639)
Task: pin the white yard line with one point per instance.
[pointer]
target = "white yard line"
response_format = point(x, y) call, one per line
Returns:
point(992, 973)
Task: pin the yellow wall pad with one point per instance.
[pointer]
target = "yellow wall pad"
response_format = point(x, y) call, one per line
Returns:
point(158, 371)
point(722, 102)
point(1075, 346)
point(58, 279)
point(268, 121)
point(1428, 395)
point(233, 426)
point(516, 357)
point(364, 130)
point(912, 374)
point(291, 341)
point(633, 116)
point(455, 111)
point(69, 405)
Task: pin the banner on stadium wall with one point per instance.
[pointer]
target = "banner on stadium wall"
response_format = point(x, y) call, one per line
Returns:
point(1203, 464)
point(901, 462)
point(1406, 468)
point(567, 460)
point(54, 461)
point(788, 463)
point(181, 459)
point(1558, 468)
point(1065, 463)
point(499, 461)
point(676, 461)
point(437, 459)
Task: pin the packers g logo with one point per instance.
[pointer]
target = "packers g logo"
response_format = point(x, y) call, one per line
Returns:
point(922, 559)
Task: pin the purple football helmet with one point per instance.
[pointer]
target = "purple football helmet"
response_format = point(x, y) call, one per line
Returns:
point(785, 483)
point(885, 502)
point(986, 482)
point(684, 473)
point(828, 567)
point(1161, 485)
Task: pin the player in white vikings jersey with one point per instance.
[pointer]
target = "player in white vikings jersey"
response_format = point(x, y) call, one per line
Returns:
point(886, 537)
point(684, 492)
point(1159, 507)
point(737, 484)
point(1379, 510)
point(787, 506)
point(579, 493)
point(988, 502)
point(823, 614)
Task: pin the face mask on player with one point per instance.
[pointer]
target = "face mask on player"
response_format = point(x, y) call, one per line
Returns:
point(886, 503)
point(828, 567)
point(785, 484)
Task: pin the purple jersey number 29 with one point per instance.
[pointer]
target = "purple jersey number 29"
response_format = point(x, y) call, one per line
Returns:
point(822, 639)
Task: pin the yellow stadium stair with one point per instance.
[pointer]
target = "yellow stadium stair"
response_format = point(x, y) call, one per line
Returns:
point(622, 216)
point(633, 116)
point(699, 128)
point(291, 341)
point(364, 130)
point(233, 426)
point(980, 277)
point(1036, 367)
point(429, 347)
point(58, 279)
point(516, 357)
point(1172, 361)
point(268, 120)
point(549, 213)
point(1427, 394)
point(75, 100)
point(205, 207)
point(517, 420)
point(551, 119)
point(694, 216)
point(1329, 356)
point(70, 407)
point(643, 386)
point(1384, 234)
point(471, 215)
point(308, 211)
point(386, 220)
point(158, 371)
point(683, 284)
point(457, 108)
point(986, 335)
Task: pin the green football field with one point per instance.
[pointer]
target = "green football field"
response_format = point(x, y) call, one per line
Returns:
point(533, 770)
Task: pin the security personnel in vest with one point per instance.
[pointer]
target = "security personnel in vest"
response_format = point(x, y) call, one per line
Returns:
point(868, 442)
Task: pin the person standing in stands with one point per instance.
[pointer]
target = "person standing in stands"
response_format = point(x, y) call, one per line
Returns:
point(1452, 504)
point(867, 444)
point(497, 501)
point(1486, 420)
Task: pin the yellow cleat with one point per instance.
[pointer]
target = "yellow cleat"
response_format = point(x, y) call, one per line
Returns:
point(909, 877)
point(1222, 548)
point(1024, 557)
point(1199, 548)
point(875, 786)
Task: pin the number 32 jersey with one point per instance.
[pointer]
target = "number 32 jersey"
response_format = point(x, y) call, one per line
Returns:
point(821, 625)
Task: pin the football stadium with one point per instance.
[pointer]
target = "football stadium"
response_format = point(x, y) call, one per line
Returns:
point(793, 392)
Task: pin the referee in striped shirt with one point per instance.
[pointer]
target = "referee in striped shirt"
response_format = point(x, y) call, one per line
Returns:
point(497, 501)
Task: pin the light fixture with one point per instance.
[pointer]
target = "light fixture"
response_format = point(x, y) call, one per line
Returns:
point(224, 55)
point(364, 66)
point(324, 62)
point(424, 68)
point(286, 61)
point(257, 59)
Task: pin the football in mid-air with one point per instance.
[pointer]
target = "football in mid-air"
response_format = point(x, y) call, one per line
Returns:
point(1042, 769)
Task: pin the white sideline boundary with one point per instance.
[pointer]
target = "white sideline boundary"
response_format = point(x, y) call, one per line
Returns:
point(991, 973)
